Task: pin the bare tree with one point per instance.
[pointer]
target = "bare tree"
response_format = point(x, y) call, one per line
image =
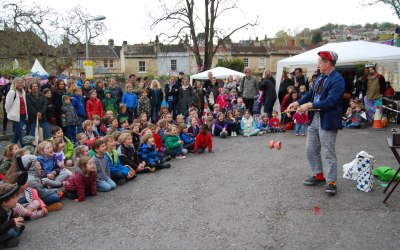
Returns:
point(394, 4)
point(187, 21)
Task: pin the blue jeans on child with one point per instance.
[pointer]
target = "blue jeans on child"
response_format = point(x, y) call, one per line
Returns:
point(13, 232)
point(176, 151)
point(105, 185)
point(70, 131)
point(302, 127)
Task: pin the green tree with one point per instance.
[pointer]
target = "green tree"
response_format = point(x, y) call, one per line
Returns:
point(282, 37)
point(316, 37)
point(234, 64)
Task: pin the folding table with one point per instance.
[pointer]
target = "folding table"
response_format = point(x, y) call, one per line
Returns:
point(396, 183)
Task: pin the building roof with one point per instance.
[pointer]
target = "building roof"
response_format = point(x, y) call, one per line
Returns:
point(117, 50)
point(172, 48)
point(102, 51)
point(140, 50)
point(13, 44)
point(285, 49)
point(248, 49)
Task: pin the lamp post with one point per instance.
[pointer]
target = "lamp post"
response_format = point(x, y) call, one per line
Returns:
point(96, 18)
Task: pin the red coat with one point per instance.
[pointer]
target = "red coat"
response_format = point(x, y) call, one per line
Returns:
point(203, 141)
point(79, 183)
point(157, 140)
point(300, 118)
point(94, 107)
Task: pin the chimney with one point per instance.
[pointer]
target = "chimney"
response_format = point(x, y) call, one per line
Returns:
point(111, 43)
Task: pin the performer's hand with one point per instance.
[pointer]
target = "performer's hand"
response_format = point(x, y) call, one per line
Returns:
point(305, 107)
point(293, 105)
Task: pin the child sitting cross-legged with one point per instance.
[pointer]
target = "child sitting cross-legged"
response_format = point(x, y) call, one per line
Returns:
point(188, 141)
point(119, 174)
point(248, 125)
point(203, 141)
point(263, 124)
point(275, 123)
point(104, 181)
point(83, 181)
point(11, 226)
point(56, 132)
point(221, 126)
point(174, 144)
point(127, 156)
point(53, 175)
point(194, 128)
point(8, 157)
point(148, 154)
point(233, 125)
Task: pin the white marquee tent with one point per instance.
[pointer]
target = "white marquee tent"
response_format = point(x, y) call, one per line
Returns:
point(37, 69)
point(218, 72)
point(350, 53)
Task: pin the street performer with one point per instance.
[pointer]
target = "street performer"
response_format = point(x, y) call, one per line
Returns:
point(325, 96)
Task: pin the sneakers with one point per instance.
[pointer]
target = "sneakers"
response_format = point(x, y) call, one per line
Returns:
point(297, 134)
point(234, 134)
point(303, 134)
point(54, 207)
point(331, 189)
point(184, 151)
point(260, 133)
point(313, 181)
point(180, 157)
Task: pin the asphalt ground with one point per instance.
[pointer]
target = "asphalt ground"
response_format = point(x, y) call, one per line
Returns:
point(245, 196)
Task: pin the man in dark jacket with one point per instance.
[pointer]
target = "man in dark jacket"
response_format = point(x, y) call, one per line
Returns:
point(51, 81)
point(326, 96)
point(36, 105)
point(172, 96)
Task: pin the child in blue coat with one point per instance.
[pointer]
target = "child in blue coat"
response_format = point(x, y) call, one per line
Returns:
point(188, 141)
point(130, 100)
point(148, 154)
point(120, 174)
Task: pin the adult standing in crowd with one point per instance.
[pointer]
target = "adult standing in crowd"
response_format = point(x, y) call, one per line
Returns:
point(50, 83)
point(185, 97)
point(178, 82)
point(212, 88)
point(137, 89)
point(57, 92)
point(172, 96)
point(373, 88)
point(156, 97)
point(300, 79)
point(326, 96)
point(3, 92)
point(269, 92)
point(16, 108)
point(116, 91)
point(285, 83)
point(207, 82)
point(229, 84)
point(249, 88)
point(36, 105)
point(81, 79)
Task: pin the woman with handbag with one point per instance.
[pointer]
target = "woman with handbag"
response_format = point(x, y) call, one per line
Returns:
point(36, 105)
point(16, 109)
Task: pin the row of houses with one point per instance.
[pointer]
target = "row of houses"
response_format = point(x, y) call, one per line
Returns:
point(151, 59)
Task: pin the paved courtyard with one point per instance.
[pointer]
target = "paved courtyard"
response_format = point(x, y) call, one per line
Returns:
point(245, 196)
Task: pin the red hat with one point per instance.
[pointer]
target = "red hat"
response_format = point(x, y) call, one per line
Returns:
point(328, 55)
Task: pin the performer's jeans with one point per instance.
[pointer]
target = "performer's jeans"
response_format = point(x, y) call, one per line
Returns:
point(316, 138)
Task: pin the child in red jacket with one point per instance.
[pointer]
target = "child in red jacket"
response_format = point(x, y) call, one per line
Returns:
point(274, 122)
point(94, 106)
point(203, 141)
point(301, 120)
point(83, 181)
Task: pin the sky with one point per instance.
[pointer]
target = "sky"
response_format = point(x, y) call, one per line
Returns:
point(130, 20)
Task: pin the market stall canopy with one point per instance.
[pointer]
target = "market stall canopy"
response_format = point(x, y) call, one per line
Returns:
point(38, 70)
point(218, 72)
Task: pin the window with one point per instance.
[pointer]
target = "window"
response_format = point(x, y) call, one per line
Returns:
point(105, 63)
point(261, 63)
point(111, 63)
point(246, 62)
point(142, 66)
point(173, 64)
